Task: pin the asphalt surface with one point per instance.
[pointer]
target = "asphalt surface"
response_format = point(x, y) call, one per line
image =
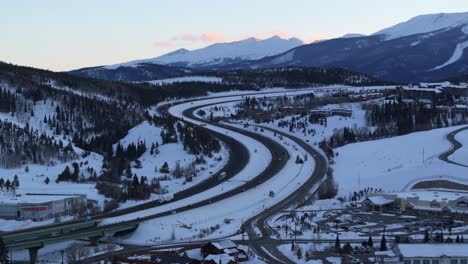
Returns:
point(238, 159)
point(277, 163)
point(258, 244)
point(456, 145)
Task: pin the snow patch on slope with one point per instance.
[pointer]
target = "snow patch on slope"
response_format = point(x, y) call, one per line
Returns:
point(424, 24)
point(457, 54)
point(284, 58)
point(247, 49)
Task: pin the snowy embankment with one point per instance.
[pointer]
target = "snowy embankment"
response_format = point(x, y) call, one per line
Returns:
point(235, 209)
point(171, 153)
point(257, 152)
point(32, 176)
point(461, 155)
point(392, 163)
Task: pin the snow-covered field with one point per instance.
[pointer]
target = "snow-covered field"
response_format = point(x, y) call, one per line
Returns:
point(392, 163)
point(206, 217)
point(172, 153)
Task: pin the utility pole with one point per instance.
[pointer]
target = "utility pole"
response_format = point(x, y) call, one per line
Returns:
point(423, 154)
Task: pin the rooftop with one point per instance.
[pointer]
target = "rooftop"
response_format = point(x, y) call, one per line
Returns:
point(32, 198)
point(433, 250)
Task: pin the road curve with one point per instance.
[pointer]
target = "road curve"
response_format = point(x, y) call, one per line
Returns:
point(265, 242)
point(456, 145)
point(276, 165)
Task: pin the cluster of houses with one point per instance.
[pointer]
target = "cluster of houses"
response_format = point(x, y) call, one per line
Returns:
point(420, 202)
point(430, 90)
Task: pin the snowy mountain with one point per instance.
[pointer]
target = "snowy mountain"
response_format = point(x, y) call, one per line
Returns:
point(183, 61)
point(424, 24)
point(429, 47)
point(353, 35)
point(247, 49)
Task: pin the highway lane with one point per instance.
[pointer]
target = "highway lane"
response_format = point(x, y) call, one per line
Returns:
point(265, 242)
point(238, 159)
point(272, 169)
point(456, 145)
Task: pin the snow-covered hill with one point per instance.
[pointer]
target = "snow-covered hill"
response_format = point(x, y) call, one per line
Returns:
point(424, 24)
point(247, 49)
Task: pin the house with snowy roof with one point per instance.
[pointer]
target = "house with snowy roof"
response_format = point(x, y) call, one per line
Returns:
point(419, 202)
point(224, 247)
point(432, 253)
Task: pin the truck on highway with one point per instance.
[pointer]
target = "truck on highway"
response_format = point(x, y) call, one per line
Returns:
point(222, 175)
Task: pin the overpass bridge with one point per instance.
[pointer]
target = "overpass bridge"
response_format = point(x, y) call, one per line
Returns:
point(33, 241)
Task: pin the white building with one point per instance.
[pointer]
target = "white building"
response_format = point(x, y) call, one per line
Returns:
point(420, 202)
point(39, 207)
point(433, 253)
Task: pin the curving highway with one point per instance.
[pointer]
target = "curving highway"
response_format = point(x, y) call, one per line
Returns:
point(456, 145)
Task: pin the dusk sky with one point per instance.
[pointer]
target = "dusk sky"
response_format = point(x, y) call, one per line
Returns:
point(64, 35)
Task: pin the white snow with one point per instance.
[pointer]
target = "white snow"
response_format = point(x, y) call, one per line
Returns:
point(171, 153)
point(253, 202)
point(353, 35)
point(424, 24)
point(457, 54)
point(392, 163)
point(284, 58)
point(286, 181)
point(433, 250)
point(247, 49)
point(207, 79)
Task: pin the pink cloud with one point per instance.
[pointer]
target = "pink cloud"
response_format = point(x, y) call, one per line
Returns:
point(211, 37)
point(162, 44)
point(313, 39)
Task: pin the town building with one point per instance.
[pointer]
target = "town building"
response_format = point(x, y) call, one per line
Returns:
point(224, 249)
point(452, 253)
point(40, 207)
point(419, 202)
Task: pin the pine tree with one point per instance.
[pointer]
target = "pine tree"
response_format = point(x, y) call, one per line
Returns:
point(383, 243)
point(47, 180)
point(370, 242)
point(337, 243)
point(4, 259)
point(426, 236)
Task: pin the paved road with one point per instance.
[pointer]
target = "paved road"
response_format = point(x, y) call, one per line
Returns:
point(260, 244)
point(277, 163)
point(238, 159)
point(456, 145)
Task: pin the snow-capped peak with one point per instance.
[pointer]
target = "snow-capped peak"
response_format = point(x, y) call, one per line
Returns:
point(353, 35)
point(247, 49)
point(424, 24)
